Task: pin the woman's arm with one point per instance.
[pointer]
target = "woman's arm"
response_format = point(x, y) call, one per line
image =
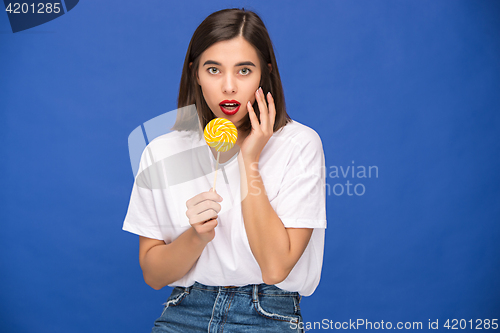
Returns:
point(276, 248)
point(163, 264)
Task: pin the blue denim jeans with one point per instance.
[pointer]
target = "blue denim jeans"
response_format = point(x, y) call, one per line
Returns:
point(251, 308)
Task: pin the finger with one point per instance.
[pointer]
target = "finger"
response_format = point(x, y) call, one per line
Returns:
point(203, 217)
point(207, 226)
point(264, 113)
point(202, 197)
point(205, 205)
point(219, 198)
point(201, 207)
point(253, 117)
point(272, 110)
point(207, 215)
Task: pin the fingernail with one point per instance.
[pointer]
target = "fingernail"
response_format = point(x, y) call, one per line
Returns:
point(249, 104)
point(257, 92)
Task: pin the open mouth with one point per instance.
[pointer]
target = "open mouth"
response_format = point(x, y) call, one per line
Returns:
point(229, 107)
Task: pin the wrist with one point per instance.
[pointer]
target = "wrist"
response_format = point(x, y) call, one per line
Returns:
point(197, 239)
point(250, 158)
point(251, 163)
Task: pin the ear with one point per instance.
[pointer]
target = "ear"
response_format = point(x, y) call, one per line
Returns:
point(197, 77)
point(270, 67)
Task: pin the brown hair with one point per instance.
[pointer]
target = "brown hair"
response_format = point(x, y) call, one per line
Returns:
point(224, 25)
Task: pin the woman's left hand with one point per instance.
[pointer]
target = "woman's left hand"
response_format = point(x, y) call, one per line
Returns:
point(260, 133)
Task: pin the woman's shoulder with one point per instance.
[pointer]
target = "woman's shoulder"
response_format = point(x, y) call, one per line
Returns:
point(174, 136)
point(181, 139)
point(171, 143)
point(298, 134)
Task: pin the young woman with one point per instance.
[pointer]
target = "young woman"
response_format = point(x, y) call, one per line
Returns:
point(239, 257)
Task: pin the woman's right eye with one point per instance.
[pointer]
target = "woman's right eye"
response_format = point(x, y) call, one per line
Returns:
point(210, 70)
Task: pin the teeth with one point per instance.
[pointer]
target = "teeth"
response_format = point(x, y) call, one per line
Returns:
point(231, 104)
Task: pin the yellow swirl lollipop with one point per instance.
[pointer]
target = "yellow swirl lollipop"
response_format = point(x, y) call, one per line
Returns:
point(221, 134)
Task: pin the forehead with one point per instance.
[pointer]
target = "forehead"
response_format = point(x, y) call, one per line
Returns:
point(231, 51)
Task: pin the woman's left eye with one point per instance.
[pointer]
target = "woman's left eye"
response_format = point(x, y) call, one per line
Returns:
point(247, 71)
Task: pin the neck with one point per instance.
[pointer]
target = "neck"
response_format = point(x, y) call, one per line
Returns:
point(241, 137)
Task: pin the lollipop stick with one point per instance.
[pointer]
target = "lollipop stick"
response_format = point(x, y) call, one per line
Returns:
point(216, 167)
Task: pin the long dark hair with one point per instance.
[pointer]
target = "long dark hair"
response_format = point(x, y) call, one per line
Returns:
point(224, 25)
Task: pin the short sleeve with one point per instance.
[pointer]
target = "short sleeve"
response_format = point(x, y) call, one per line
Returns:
point(142, 218)
point(301, 200)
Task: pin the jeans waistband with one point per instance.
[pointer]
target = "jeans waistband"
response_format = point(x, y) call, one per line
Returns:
point(251, 289)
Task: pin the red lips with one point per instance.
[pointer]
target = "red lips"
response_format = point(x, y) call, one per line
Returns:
point(229, 112)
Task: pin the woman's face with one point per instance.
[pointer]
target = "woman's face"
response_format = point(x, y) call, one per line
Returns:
point(229, 72)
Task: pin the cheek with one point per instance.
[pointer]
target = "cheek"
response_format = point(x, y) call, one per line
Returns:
point(211, 100)
point(205, 89)
point(255, 86)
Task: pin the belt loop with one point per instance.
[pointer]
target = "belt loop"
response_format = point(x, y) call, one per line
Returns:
point(255, 293)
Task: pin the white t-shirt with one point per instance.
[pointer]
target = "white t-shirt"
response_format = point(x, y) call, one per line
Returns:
point(179, 165)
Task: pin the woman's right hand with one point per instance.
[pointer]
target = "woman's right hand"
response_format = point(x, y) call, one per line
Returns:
point(202, 211)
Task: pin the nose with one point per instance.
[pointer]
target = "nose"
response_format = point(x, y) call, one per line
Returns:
point(229, 84)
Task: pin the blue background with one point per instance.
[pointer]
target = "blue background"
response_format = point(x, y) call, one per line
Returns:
point(411, 87)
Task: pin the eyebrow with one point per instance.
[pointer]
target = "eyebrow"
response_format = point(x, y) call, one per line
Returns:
point(244, 63)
